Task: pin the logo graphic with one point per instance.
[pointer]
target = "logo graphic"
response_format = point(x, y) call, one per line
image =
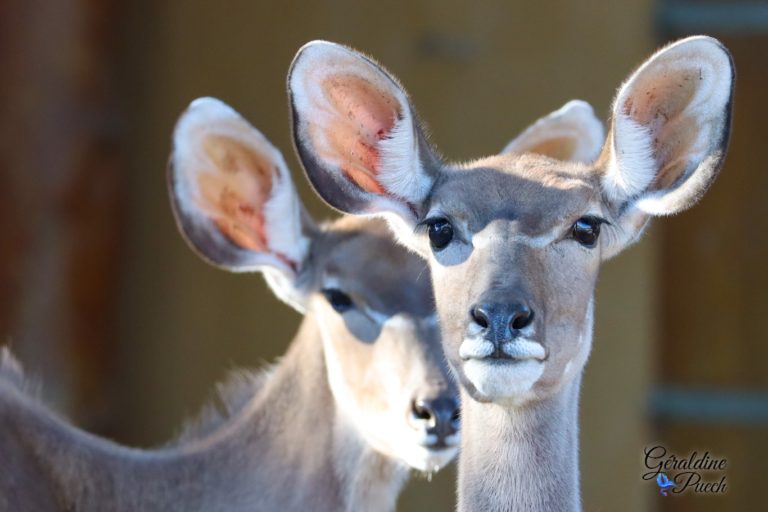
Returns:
point(664, 483)
point(698, 472)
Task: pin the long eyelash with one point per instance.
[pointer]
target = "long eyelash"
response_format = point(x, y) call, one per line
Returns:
point(597, 219)
point(421, 227)
point(613, 235)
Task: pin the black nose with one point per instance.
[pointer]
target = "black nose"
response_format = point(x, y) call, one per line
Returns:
point(439, 417)
point(502, 319)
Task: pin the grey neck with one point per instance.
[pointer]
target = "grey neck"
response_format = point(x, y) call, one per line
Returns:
point(523, 458)
point(288, 448)
point(324, 463)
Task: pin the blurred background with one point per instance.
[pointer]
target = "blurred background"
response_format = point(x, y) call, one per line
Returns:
point(129, 330)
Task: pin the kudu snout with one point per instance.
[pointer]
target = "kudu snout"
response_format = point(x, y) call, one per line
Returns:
point(501, 322)
point(437, 418)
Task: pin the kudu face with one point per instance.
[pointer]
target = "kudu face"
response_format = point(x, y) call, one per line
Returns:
point(372, 300)
point(514, 241)
point(513, 287)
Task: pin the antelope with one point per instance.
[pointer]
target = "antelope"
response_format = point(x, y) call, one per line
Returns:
point(360, 397)
point(514, 241)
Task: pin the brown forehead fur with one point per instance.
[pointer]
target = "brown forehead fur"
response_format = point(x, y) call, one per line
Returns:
point(389, 280)
point(539, 192)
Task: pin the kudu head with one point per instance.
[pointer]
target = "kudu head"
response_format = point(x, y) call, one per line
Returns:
point(514, 241)
point(236, 205)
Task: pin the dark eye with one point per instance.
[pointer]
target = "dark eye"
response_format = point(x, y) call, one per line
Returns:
point(586, 230)
point(440, 233)
point(338, 300)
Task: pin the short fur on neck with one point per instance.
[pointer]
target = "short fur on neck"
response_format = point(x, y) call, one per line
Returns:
point(279, 444)
point(523, 458)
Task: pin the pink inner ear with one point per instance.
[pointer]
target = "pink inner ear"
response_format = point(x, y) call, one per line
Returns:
point(560, 148)
point(364, 115)
point(659, 102)
point(235, 192)
point(662, 95)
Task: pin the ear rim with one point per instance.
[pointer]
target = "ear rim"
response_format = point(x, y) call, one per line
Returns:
point(689, 188)
point(580, 115)
point(201, 234)
point(346, 196)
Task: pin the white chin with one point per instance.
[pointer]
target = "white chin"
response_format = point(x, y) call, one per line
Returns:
point(503, 379)
point(423, 459)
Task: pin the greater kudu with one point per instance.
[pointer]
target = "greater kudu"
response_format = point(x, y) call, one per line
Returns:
point(515, 241)
point(360, 397)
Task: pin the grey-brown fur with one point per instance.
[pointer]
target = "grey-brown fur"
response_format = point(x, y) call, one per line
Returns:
point(279, 452)
point(514, 278)
point(279, 445)
point(229, 398)
point(360, 398)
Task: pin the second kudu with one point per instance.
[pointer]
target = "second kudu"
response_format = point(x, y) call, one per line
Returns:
point(360, 397)
point(515, 241)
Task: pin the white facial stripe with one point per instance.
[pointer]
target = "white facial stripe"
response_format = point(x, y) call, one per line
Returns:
point(485, 239)
point(488, 237)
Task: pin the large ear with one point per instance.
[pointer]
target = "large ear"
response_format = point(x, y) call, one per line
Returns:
point(356, 133)
point(233, 197)
point(670, 131)
point(572, 133)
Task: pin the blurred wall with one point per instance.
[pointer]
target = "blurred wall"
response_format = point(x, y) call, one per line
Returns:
point(61, 197)
point(478, 74)
point(712, 348)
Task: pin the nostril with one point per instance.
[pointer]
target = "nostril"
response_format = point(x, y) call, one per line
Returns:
point(421, 411)
point(480, 316)
point(436, 418)
point(521, 318)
